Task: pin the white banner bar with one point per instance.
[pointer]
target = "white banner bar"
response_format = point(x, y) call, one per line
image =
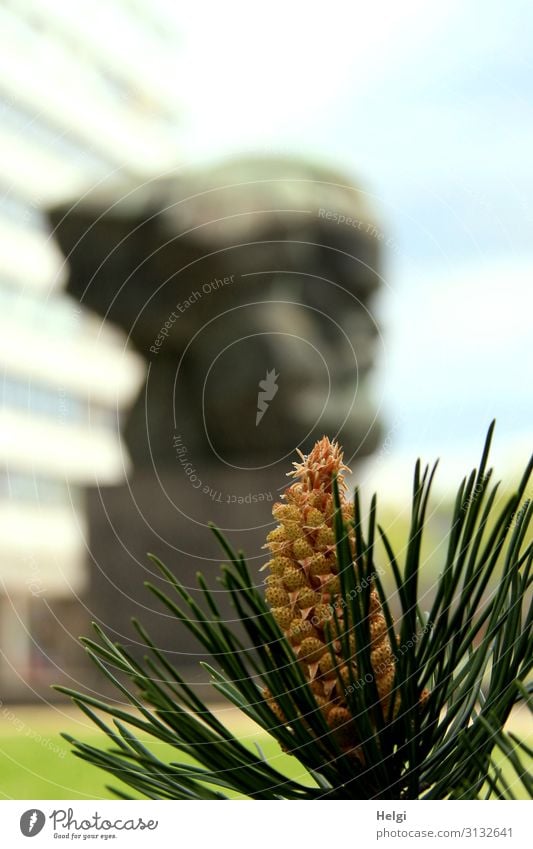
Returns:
point(244, 825)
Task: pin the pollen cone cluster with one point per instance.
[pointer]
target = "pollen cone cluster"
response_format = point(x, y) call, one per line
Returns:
point(304, 590)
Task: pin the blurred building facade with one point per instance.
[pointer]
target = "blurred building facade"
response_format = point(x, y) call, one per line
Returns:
point(76, 111)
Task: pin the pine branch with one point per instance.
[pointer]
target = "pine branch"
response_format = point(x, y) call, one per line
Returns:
point(429, 724)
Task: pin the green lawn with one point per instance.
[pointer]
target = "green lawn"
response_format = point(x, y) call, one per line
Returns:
point(36, 763)
point(33, 770)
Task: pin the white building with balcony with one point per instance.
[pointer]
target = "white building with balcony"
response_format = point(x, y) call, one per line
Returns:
point(83, 107)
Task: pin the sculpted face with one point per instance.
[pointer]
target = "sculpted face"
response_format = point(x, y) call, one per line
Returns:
point(248, 288)
point(294, 255)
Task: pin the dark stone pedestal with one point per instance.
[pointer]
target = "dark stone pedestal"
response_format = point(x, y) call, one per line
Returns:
point(169, 518)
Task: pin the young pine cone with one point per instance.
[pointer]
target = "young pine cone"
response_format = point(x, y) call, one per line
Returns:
point(303, 590)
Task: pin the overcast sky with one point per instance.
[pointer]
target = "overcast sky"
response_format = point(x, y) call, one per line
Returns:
point(430, 106)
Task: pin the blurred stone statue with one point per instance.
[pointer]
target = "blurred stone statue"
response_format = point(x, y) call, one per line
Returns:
point(223, 278)
point(248, 288)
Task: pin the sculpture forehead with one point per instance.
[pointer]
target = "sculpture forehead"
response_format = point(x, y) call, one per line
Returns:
point(246, 197)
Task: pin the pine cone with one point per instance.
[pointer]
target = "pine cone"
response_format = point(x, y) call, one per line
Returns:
point(304, 591)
